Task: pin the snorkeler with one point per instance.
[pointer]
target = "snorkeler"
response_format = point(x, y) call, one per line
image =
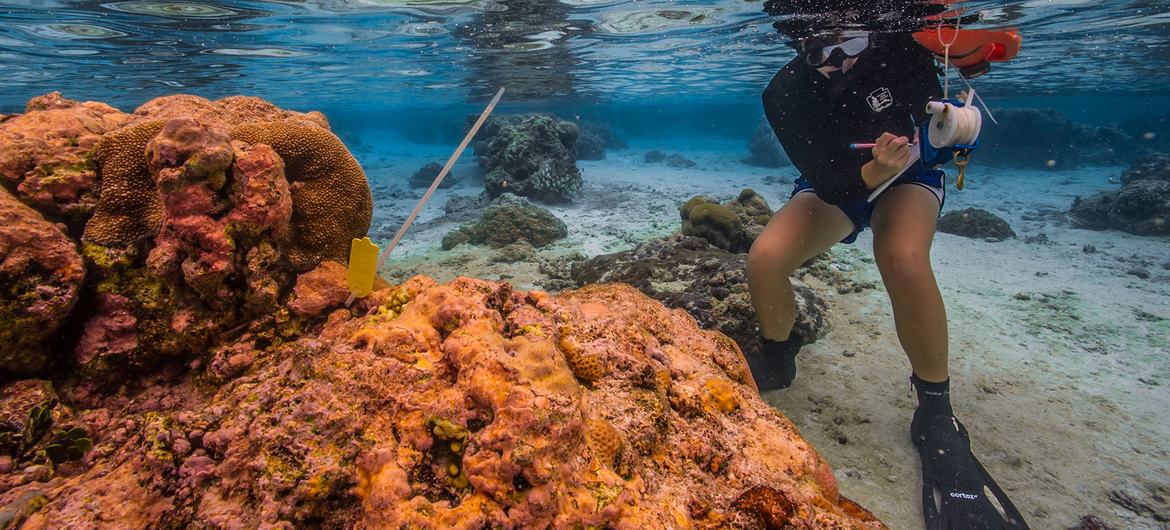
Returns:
point(847, 86)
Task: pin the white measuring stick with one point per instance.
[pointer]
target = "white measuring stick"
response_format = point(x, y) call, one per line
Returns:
point(438, 180)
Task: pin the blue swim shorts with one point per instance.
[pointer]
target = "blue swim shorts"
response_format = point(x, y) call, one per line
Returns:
point(860, 211)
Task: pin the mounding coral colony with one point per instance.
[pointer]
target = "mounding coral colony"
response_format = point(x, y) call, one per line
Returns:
point(181, 292)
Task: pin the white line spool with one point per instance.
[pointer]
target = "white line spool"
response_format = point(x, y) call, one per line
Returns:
point(951, 125)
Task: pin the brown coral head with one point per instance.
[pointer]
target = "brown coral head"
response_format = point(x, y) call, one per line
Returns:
point(332, 203)
point(772, 507)
point(129, 208)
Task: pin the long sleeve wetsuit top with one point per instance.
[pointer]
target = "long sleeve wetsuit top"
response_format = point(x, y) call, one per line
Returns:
point(816, 118)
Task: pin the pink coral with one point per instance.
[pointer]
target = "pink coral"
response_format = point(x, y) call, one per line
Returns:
point(320, 289)
point(216, 261)
point(41, 274)
point(110, 332)
point(45, 153)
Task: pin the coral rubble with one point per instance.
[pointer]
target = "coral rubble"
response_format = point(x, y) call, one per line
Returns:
point(707, 282)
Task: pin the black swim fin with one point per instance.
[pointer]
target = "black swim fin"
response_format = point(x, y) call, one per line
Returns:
point(957, 491)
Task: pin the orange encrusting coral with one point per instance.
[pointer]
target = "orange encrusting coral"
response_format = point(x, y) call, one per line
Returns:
point(453, 406)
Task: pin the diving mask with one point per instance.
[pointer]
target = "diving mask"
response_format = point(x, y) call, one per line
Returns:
point(818, 50)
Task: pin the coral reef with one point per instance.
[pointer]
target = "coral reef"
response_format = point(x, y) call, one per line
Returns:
point(332, 203)
point(331, 199)
point(1141, 206)
point(41, 273)
point(1039, 138)
point(465, 405)
point(765, 149)
point(975, 223)
point(217, 258)
point(45, 155)
point(732, 226)
point(510, 219)
point(531, 155)
point(707, 282)
point(425, 176)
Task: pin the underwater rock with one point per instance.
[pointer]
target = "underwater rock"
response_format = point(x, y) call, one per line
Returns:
point(532, 155)
point(975, 223)
point(425, 176)
point(1141, 206)
point(590, 146)
point(463, 208)
point(732, 226)
point(520, 251)
point(765, 148)
point(707, 282)
point(1046, 138)
point(464, 405)
point(508, 220)
point(595, 138)
point(1155, 166)
point(674, 160)
point(41, 273)
point(45, 155)
point(678, 161)
point(604, 131)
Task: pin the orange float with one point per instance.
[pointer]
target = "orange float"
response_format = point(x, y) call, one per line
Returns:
point(972, 50)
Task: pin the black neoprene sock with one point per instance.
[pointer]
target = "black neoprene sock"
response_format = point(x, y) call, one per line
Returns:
point(933, 398)
point(774, 367)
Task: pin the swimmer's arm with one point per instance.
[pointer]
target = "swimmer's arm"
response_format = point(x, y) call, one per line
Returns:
point(890, 155)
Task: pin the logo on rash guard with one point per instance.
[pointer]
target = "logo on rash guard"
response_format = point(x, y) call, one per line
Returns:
point(880, 99)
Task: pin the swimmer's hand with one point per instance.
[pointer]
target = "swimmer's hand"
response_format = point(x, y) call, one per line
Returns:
point(890, 155)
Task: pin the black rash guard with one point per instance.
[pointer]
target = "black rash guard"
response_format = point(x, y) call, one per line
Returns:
point(816, 118)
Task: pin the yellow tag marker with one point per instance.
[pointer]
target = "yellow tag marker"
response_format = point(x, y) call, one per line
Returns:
point(363, 266)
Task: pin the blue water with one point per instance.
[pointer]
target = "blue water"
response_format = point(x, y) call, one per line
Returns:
point(335, 53)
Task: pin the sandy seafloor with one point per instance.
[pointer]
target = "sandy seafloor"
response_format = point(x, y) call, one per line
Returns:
point(1060, 358)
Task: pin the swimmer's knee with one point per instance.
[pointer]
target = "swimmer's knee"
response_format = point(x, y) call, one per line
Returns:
point(770, 258)
point(903, 262)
